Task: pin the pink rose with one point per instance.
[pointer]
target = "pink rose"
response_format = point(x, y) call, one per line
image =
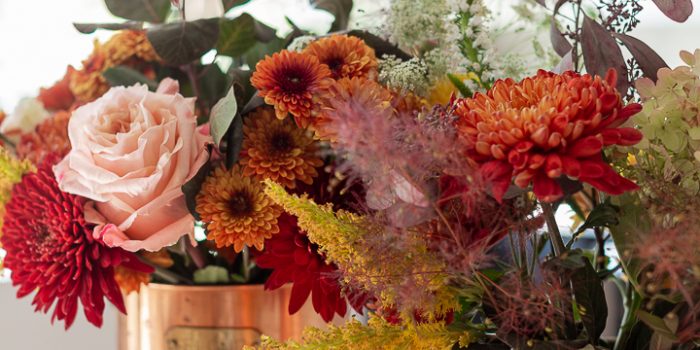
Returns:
point(132, 150)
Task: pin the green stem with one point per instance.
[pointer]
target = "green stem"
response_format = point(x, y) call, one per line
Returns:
point(246, 264)
point(165, 274)
point(553, 229)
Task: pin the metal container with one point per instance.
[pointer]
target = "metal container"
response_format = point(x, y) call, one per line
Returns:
point(176, 317)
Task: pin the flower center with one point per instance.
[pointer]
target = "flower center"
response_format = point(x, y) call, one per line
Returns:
point(282, 142)
point(240, 204)
point(336, 65)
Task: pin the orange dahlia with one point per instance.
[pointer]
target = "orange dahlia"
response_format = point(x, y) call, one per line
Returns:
point(278, 150)
point(58, 96)
point(289, 80)
point(130, 280)
point(236, 210)
point(356, 95)
point(346, 56)
point(49, 137)
point(545, 127)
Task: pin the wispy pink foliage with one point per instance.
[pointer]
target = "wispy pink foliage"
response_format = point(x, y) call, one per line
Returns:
point(528, 308)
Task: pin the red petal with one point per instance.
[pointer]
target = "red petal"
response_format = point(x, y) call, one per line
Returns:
point(586, 147)
point(571, 166)
point(300, 292)
point(498, 173)
point(546, 189)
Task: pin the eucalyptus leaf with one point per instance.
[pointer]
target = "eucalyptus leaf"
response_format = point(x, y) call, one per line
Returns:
point(229, 4)
point(212, 274)
point(649, 61)
point(236, 36)
point(191, 188)
point(380, 46)
point(601, 52)
point(125, 76)
point(339, 8)
point(154, 11)
point(89, 28)
point(677, 10)
point(222, 115)
point(181, 42)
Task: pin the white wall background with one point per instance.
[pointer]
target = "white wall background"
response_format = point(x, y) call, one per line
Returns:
point(37, 41)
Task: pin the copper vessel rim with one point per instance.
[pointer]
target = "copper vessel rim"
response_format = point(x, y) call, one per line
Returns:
point(207, 288)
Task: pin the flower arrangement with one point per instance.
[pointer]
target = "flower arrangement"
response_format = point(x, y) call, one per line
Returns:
point(411, 173)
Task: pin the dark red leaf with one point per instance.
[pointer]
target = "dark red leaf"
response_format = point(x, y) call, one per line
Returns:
point(677, 10)
point(559, 42)
point(649, 61)
point(601, 52)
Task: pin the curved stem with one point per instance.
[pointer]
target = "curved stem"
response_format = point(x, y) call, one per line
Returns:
point(553, 229)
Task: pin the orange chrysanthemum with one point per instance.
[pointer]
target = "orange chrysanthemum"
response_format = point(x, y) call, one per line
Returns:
point(545, 127)
point(236, 210)
point(289, 80)
point(356, 95)
point(49, 137)
point(278, 150)
point(127, 47)
point(346, 56)
point(130, 280)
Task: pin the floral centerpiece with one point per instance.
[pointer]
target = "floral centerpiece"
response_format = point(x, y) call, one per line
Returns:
point(410, 172)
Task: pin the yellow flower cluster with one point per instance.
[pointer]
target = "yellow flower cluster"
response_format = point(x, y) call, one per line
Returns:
point(345, 239)
point(11, 172)
point(378, 334)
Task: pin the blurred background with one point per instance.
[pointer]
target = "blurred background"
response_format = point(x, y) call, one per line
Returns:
point(38, 41)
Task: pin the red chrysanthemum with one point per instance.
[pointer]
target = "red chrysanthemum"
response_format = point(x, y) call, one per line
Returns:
point(51, 251)
point(289, 81)
point(545, 127)
point(294, 259)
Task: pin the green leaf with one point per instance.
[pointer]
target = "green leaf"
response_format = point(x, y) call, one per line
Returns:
point(229, 4)
point(236, 36)
point(191, 188)
point(262, 49)
point(602, 215)
point(236, 278)
point(154, 11)
point(590, 299)
point(657, 324)
point(459, 84)
point(222, 115)
point(633, 224)
point(183, 42)
point(212, 84)
point(339, 8)
point(212, 274)
point(125, 76)
point(89, 28)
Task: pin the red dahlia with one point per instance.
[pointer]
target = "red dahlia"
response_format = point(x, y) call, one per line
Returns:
point(51, 250)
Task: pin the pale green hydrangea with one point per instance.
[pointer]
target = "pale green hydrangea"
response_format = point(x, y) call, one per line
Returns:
point(670, 122)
